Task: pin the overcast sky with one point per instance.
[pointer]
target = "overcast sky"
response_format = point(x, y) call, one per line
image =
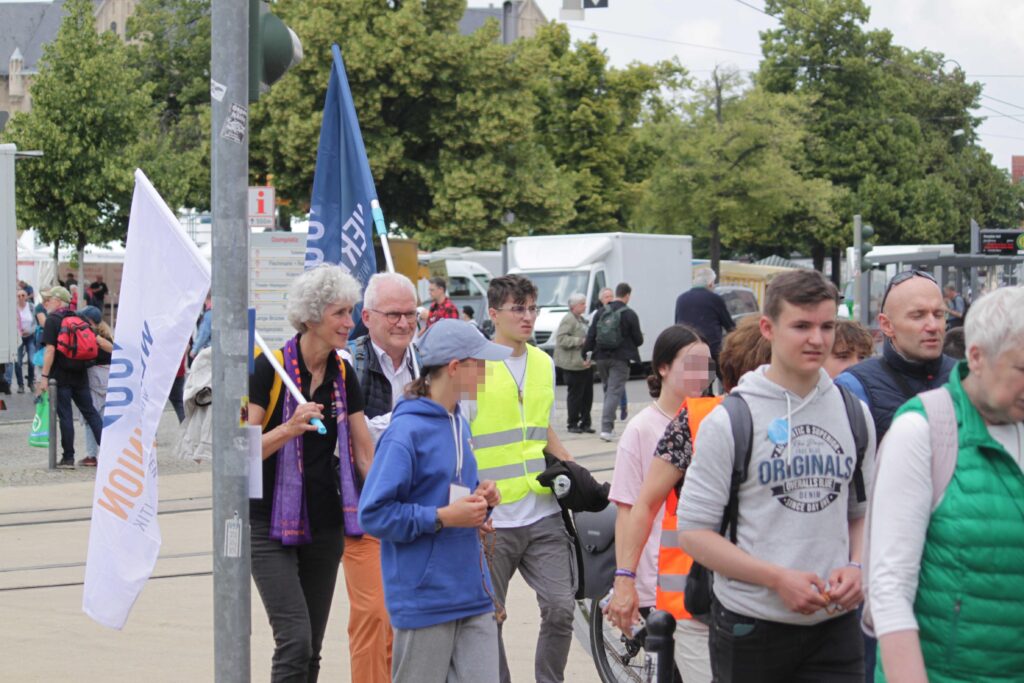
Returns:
point(984, 36)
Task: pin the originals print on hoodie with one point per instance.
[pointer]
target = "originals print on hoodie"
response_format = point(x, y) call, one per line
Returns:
point(798, 499)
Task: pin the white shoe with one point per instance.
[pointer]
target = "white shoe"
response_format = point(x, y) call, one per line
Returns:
point(608, 436)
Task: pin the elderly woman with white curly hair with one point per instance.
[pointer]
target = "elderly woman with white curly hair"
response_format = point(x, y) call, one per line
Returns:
point(310, 480)
point(945, 560)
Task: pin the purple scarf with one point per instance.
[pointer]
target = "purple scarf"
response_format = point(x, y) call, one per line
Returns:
point(289, 518)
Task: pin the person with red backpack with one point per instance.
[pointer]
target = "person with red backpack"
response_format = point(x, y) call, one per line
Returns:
point(71, 346)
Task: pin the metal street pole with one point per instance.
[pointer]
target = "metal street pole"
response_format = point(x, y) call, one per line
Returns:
point(975, 249)
point(229, 89)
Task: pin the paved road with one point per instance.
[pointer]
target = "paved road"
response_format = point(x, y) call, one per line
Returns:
point(169, 637)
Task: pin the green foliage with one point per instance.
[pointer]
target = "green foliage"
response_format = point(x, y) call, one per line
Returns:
point(171, 50)
point(888, 125)
point(733, 167)
point(469, 140)
point(89, 112)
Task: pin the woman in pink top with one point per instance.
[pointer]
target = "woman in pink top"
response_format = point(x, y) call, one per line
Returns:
point(677, 350)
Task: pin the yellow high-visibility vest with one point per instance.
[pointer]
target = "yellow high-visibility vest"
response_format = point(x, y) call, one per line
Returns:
point(510, 429)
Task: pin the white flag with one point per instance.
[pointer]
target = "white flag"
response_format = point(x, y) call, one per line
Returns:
point(163, 287)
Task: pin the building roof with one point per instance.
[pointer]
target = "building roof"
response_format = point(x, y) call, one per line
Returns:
point(475, 17)
point(27, 27)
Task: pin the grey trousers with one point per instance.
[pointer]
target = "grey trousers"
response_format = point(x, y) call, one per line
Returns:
point(613, 374)
point(296, 584)
point(460, 651)
point(544, 554)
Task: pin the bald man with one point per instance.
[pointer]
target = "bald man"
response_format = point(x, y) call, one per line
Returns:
point(913, 320)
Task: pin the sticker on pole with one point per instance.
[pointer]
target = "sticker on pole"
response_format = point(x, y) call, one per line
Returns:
point(235, 124)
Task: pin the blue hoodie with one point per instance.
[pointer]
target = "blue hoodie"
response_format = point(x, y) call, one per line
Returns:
point(429, 578)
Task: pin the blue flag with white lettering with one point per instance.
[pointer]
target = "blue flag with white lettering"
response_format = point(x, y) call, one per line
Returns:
point(344, 203)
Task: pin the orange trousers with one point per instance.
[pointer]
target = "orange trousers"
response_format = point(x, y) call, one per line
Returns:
point(369, 629)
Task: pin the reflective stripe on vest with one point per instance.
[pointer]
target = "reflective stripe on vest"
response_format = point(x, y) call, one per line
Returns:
point(673, 564)
point(508, 436)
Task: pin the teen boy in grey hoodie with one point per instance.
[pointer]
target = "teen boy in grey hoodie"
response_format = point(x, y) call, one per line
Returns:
point(785, 597)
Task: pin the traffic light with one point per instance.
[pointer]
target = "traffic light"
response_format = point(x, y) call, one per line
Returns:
point(273, 48)
point(861, 246)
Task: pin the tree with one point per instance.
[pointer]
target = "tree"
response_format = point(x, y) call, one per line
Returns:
point(171, 49)
point(88, 113)
point(589, 120)
point(446, 119)
point(891, 126)
point(731, 173)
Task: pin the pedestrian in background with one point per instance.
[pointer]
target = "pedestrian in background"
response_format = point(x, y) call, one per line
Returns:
point(98, 373)
point(71, 377)
point(204, 329)
point(853, 344)
point(441, 307)
point(704, 310)
point(570, 337)
point(27, 346)
point(424, 500)
point(614, 338)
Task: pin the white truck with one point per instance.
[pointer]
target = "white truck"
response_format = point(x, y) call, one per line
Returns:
point(658, 268)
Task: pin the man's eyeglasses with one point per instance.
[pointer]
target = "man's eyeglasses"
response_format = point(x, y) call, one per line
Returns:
point(394, 316)
point(521, 311)
point(902, 277)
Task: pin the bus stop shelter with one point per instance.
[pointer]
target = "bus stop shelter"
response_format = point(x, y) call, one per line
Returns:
point(962, 267)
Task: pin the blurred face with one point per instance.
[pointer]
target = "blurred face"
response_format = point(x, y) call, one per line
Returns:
point(605, 296)
point(514, 321)
point(915, 319)
point(801, 337)
point(690, 372)
point(578, 309)
point(1000, 383)
point(52, 303)
point(468, 377)
point(436, 293)
point(335, 324)
point(22, 298)
point(840, 359)
point(392, 323)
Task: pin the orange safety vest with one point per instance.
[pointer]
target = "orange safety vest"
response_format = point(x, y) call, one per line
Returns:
point(673, 563)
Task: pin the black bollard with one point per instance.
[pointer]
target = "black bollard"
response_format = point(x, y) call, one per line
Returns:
point(661, 627)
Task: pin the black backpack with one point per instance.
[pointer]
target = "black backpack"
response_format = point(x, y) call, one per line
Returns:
point(609, 328)
point(698, 591)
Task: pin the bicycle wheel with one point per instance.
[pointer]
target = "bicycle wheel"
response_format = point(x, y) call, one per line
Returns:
point(618, 659)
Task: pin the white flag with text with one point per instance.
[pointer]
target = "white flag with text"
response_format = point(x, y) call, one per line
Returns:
point(163, 286)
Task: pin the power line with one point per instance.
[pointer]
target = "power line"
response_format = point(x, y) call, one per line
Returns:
point(996, 99)
point(1004, 137)
point(757, 9)
point(662, 40)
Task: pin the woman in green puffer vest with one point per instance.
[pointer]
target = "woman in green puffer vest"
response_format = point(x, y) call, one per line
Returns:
point(946, 576)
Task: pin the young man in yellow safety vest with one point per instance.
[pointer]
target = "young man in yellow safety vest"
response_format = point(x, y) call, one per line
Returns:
point(511, 427)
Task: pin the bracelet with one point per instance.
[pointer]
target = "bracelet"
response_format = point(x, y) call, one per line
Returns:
point(857, 565)
point(626, 572)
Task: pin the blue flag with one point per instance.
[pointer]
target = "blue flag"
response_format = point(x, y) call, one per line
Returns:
point(344, 202)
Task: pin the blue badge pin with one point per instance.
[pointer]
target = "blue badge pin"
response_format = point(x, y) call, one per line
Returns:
point(778, 431)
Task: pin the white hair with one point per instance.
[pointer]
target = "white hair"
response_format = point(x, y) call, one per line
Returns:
point(372, 293)
point(705, 277)
point(316, 289)
point(995, 322)
point(576, 298)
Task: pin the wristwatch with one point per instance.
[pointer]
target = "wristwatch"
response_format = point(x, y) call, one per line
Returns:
point(438, 524)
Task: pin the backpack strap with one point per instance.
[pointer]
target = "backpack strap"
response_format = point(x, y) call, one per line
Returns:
point(941, 416)
point(275, 390)
point(743, 443)
point(859, 426)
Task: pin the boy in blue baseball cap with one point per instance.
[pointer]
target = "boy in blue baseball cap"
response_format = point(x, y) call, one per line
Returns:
point(423, 500)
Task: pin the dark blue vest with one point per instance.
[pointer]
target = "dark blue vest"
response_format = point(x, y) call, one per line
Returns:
point(891, 380)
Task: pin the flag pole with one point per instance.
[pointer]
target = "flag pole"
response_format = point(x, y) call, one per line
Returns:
point(382, 233)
